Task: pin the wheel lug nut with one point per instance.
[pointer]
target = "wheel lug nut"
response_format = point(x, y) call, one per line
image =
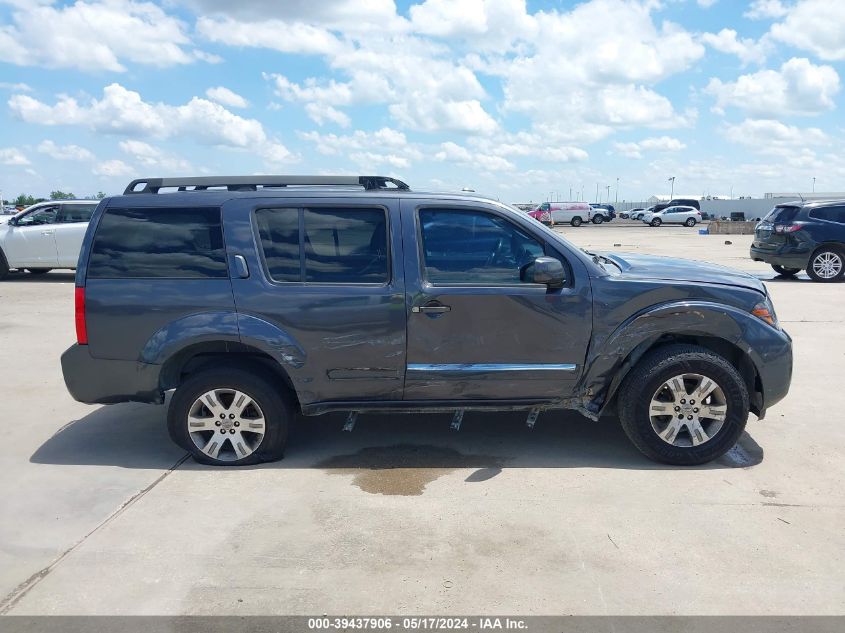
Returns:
point(222, 415)
point(238, 423)
point(681, 416)
point(695, 410)
point(689, 417)
point(677, 408)
point(231, 416)
point(217, 422)
point(222, 430)
point(232, 431)
point(692, 401)
point(683, 401)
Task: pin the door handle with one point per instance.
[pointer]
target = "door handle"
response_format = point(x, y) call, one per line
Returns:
point(47, 232)
point(432, 308)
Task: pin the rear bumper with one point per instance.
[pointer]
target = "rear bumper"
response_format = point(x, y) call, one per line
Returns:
point(102, 381)
point(786, 256)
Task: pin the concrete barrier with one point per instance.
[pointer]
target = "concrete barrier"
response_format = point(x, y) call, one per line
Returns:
point(721, 227)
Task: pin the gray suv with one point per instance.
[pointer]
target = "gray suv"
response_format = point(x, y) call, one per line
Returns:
point(259, 298)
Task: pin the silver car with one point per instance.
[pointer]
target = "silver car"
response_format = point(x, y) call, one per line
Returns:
point(688, 216)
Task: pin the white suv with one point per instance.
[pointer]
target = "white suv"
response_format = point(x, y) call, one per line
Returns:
point(690, 216)
point(44, 236)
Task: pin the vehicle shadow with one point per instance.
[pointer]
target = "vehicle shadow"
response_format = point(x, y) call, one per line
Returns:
point(134, 436)
point(47, 278)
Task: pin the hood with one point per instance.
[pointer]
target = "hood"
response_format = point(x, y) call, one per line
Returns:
point(652, 267)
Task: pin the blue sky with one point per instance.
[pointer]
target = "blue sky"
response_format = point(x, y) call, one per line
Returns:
point(515, 99)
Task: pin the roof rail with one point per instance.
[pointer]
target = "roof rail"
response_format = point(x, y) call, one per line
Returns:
point(252, 183)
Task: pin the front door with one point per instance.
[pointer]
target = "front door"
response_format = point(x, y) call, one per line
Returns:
point(32, 241)
point(475, 330)
point(71, 225)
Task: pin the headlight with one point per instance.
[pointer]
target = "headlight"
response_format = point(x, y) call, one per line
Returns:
point(766, 311)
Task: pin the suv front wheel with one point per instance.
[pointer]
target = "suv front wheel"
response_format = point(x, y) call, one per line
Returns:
point(683, 405)
point(826, 265)
point(229, 417)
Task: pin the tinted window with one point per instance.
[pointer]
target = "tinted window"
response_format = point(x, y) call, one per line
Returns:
point(76, 212)
point(181, 243)
point(278, 230)
point(831, 214)
point(472, 247)
point(781, 215)
point(337, 246)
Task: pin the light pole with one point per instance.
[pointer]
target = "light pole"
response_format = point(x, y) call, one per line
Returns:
point(617, 190)
point(608, 192)
point(814, 184)
point(672, 195)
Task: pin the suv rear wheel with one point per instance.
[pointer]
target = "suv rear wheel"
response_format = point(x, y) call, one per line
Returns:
point(229, 417)
point(826, 265)
point(690, 222)
point(683, 405)
point(598, 219)
point(656, 222)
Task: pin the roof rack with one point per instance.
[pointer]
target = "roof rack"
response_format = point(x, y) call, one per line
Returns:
point(252, 183)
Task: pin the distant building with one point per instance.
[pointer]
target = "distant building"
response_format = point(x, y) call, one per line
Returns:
point(816, 195)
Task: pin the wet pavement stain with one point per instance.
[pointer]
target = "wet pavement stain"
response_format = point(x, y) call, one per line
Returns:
point(405, 469)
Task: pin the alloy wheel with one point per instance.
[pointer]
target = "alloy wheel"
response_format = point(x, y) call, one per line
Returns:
point(827, 264)
point(688, 410)
point(226, 424)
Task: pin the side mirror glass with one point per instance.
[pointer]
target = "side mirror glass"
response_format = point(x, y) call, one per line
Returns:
point(544, 270)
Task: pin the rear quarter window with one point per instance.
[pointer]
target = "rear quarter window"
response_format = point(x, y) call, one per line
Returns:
point(831, 214)
point(158, 243)
point(780, 215)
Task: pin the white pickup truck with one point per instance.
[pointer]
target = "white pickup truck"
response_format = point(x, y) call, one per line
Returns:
point(44, 236)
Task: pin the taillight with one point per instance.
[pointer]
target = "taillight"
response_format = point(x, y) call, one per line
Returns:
point(79, 314)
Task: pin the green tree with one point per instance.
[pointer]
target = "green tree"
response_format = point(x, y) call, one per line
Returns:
point(25, 200)
point(61, 195)
point(100, 195)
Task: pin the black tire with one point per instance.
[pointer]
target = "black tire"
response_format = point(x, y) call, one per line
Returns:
point(274, 403)
point(576, 221)
point(639, 217)
point(690, 222)
point(4, 267)
point(38, 271)
point(598, 219)
point(656, 222)
point(659, 366)
point(825, 251)
point(786, 272)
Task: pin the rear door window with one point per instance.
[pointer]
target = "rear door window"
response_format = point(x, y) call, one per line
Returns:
point(831, 214)
point(72, 213)
point(158, 243)
point(325, 245)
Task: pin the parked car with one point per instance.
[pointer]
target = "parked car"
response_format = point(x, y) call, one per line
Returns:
point(803, 236)
point(44, 236)
point(687, 216)
point(653, 209)
point(603, 212)
point(552, 213)
point(256, 300)
point(684, 202)
point(631, 213)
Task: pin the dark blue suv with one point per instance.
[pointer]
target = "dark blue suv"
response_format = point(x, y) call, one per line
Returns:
point(803, 236)
point(259, 298)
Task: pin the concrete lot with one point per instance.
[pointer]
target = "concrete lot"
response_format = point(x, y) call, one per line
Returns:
point(101, 514)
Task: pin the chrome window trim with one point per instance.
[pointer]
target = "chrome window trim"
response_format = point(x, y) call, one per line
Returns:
point(489, 367)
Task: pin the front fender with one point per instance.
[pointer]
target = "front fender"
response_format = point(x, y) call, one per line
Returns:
point(768, 349)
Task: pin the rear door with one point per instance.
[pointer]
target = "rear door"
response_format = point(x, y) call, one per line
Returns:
point(71, 224)
point(326, 272)
point(475, 331)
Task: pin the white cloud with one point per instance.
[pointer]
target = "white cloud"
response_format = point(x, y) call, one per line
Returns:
point(766, 135)
point(97, 35)
point(798, 88)
point(226, 97)
point(123, 111)
point(150, 156)
point(12, 156)
point(385, 146)
point(15, 87)
point(815, 26)
point(112, 169)
point(455, 153)
point(277, 35)
point(657, 144)
point(747, 49)
point(766, 9)
point(65, 152)
point(324, 113)
point(706, 4)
